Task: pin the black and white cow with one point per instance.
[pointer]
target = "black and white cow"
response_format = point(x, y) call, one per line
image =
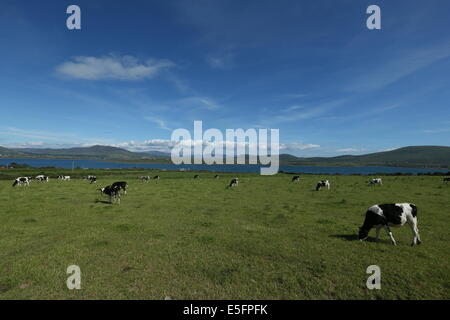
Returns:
point(156, 177)
point(216, 176)
point(376, 181)
point(92, 179)
point(22, 181)
point(122, 185)
point(113, 192)
point(446, 179)
point(196, 176)
point(145, 178)
point(233, 183)
point(295, 179)
point(323, 183)
point(42, 178)
point(390, 215)
point(64, 178)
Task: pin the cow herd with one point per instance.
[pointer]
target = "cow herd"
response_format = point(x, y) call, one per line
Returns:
point(380, 216)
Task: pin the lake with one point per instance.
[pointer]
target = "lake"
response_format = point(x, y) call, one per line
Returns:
point(94, 164)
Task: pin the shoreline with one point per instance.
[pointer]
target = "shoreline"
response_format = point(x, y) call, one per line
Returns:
point(306, 164)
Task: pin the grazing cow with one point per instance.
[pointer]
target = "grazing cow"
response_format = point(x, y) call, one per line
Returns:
point(375, 181)
point(196, 176)
point(122, 185)
point(233, 183)
point(387, 215)
point(113, 192)
point(323, 183)
point(42, 178)
point(92, 179)
point(64, 178)
point(144, 178)
point(216, 176)
point(295, 179)
point(22, 181)
point(156, 177)
point(446, 179)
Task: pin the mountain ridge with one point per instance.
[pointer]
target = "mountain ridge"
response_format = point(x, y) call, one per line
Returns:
point(410, 156)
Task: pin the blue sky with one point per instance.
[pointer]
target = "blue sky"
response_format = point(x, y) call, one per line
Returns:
point(139, 69)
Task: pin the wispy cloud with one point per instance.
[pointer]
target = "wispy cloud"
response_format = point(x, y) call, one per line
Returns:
point(161, 123)
point(112, 67)
point(293, 108)
point(437, 130)
point(292, 96)
point(401, 65)
point(199, 102)
point(221, 60)
point(34, 134)
point(297, 113)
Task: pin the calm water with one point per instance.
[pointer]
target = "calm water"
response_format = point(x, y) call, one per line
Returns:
point(94, 164)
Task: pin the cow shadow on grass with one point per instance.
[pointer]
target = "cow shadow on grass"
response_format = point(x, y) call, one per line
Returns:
point(102, 201)
point(347, 237)
point(354, 237)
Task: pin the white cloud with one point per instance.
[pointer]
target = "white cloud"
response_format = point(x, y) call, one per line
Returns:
point(348, 150)
point(296, 146)
point(161, 145)
point(112, 67)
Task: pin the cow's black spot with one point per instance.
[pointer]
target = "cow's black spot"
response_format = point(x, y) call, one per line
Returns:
point(392, 213)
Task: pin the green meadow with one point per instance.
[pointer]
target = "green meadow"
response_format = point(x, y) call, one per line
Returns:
point(182, 238)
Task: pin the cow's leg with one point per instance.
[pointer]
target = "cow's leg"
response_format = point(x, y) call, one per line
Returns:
point(415, 231)
point(378, 233)
point(417, 234)
point(388, 231)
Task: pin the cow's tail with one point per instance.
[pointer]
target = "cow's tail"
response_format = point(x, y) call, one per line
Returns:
point(413, 210)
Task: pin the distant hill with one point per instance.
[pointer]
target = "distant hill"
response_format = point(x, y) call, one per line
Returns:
point(417, 156)
point(93, 153)
point(98, 152)
point(4, 153)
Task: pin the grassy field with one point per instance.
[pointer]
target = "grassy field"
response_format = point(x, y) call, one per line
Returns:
point(195, 239)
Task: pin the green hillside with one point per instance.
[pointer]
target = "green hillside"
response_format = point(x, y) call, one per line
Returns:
point(417, 156)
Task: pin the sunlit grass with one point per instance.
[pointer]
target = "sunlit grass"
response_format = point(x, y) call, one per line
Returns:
point(194, 239)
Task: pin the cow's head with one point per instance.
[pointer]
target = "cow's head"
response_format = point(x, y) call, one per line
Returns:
point(363, 233)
